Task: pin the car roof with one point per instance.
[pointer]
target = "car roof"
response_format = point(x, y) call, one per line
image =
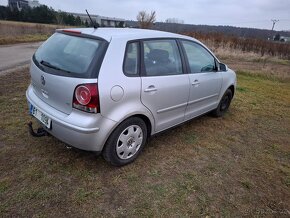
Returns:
point(127, 33)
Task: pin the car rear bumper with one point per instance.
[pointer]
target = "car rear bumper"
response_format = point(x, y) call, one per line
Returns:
point(79, 129)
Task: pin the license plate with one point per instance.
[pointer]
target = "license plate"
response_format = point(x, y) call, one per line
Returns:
point(38, 114)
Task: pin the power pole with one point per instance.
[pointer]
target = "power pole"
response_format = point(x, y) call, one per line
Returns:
point(274, 22)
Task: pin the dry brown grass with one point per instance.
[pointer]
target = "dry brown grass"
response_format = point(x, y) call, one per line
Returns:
point(234, 166)
point(18, 32)
point(258, 46)
point(251, 62)
point(8, 28)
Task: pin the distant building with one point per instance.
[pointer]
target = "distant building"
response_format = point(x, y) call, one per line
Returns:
point(285, 39)
point(280, 38)
point(34, 3)
point(101, 21)
point(20, 4)
point(17, 4)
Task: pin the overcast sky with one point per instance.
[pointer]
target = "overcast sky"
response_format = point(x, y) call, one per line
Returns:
point(242, 13)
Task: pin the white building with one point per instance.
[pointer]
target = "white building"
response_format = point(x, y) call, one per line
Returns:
point(33, 3)
point(102, 21)
point(20, 4)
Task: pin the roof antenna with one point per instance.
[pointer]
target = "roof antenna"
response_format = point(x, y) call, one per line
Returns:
point(92, 22)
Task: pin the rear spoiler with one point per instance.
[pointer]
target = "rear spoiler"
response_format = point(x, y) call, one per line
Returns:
point(77, 32)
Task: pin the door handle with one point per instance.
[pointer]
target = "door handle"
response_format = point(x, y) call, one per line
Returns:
point(195, 82)
point(151, 89)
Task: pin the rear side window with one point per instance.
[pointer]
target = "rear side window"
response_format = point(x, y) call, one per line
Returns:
point(161, 58)
point(70, 55)
point(131, 59)
point(199, 59)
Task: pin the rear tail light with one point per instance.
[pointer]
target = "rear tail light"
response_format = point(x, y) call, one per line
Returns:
point(86, 98)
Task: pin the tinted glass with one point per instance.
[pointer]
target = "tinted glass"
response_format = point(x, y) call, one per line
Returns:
point(200, 60)
point(161, 58)
point(131, 59)
point(68, 54)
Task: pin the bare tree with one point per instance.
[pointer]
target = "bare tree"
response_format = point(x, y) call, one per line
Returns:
point(145, 19)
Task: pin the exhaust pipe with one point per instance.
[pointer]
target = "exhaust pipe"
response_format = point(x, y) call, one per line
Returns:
point(39, 133)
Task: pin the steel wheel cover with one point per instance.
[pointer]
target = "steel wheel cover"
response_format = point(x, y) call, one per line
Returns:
point(129, 142)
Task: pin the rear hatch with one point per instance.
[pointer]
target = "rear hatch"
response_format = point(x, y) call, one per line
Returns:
point(64, 61)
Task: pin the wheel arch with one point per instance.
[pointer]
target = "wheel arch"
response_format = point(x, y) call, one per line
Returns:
point(149, 121)
point(232, 88)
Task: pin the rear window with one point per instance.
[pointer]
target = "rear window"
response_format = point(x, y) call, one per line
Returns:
point(72, 56)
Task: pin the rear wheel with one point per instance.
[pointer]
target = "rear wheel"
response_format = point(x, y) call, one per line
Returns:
point(126, 142)
point(224, 104)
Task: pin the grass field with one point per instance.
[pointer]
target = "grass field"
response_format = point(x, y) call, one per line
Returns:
point(19, 32)
point(238, 165)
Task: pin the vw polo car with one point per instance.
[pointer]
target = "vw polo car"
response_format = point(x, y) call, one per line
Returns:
point(107, 90)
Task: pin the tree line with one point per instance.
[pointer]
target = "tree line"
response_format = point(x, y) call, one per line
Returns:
point(41, 14)
point(227, 30)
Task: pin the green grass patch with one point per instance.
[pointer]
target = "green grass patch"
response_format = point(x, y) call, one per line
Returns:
point(241, 89)
point(246, 184)
point(83, 195)
point(4, 185)
point(260, 76)
point(190, 138)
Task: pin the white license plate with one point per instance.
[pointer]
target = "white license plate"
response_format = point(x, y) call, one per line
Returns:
point(40, 116)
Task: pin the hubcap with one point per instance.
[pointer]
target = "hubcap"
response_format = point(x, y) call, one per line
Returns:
point(129, 142)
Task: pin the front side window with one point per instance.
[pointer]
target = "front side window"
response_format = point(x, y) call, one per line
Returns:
point(161, 58)
point(199, 59)
point(131, 59)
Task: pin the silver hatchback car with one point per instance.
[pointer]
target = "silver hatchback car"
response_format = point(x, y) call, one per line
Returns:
point(108, 89)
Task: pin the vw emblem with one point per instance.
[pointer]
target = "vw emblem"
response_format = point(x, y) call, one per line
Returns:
point(42, 80)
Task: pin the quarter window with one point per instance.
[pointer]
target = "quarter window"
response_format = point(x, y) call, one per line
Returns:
point(131, 59)
point(161, 58)
point(199, 59)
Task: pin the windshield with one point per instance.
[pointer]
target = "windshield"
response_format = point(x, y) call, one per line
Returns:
point(70, 55)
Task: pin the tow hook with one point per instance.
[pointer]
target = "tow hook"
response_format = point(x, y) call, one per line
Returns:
point(39, 133)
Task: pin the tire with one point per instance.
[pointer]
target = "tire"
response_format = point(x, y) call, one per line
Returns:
point(224, 104)
point(126, 142)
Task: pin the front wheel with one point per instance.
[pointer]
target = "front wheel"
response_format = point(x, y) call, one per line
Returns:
point(224, 104)
point(126, 142)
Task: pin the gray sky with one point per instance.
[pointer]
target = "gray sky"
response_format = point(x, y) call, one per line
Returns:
point(242, 13)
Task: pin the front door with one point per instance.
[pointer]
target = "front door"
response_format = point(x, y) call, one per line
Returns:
point(205, 80)
point(165, 87)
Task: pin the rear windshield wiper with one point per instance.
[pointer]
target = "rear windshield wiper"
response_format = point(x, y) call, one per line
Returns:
point(47, 64)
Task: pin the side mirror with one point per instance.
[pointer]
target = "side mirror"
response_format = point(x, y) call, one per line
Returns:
point(223, 67)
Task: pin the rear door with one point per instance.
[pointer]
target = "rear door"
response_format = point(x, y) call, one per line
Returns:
point(165, 87)
point(205, 80)
point(60, 64)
